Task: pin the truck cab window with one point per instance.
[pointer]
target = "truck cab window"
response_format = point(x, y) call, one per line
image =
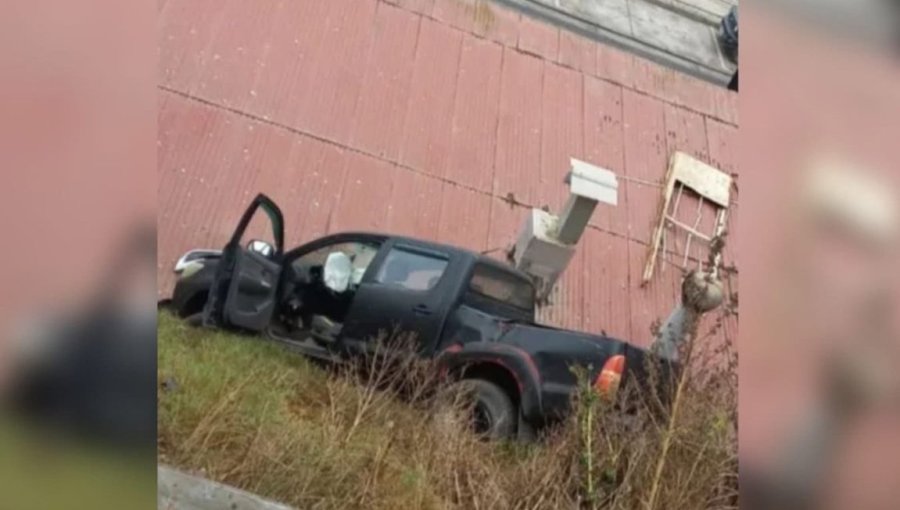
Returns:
point(312, 301)
point(411, 270)
point(360, 255)
point(494, 284)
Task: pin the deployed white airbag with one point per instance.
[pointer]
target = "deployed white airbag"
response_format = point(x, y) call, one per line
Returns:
point(337, 271)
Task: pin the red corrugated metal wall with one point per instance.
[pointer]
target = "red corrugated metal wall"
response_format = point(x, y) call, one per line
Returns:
point(423, 117)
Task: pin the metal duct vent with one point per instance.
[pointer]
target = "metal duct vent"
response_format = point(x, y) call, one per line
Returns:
point(546, 243)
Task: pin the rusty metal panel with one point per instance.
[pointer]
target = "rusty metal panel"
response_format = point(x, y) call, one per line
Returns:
point(694, 94)
point(378, 123)
point(565, 307)
point(365, 198)
point(538, 38)
point(418, 6)
point(650, 303)
point(474, 132)
point(185, 32)
point(578, 53)
point(503, 27)
point(686, 132)
point(572, 292)
point(464, 217)
point(643, 209)
point(415, 205)
point(518, 159)
point(465, 15)
point(732, 238)
point(283, 59)
point(723, 139)
point(321, 189)
point(646, 156)
point(604, 135)
point(607, 297)
point(604, 146)
point(426, 136)
point(338, 71)
point(232, 56)
point(562, 132)
point(615, 65)
point(726, 105)
point(306, 182)
point(290, 75)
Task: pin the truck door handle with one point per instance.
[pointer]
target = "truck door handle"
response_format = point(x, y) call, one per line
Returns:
point(421, 310)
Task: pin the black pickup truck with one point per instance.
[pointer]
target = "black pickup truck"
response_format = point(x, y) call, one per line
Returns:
point(331, 298)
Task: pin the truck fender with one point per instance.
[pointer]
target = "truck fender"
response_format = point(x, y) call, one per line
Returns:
point(513, 360)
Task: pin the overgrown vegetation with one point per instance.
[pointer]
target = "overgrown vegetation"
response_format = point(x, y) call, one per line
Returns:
point(246, 412)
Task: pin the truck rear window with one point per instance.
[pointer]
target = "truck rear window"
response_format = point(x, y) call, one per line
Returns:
point(499, 285)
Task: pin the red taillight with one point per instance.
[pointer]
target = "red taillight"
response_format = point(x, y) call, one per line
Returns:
point(607, 383)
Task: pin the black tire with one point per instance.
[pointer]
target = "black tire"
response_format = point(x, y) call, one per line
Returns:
point(494, 415)
point(525, 432)
point(194, 320)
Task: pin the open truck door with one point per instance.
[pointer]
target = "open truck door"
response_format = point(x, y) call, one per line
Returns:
point(244, 291)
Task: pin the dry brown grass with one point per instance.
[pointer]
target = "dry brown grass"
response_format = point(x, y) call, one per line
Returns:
point(245, 412)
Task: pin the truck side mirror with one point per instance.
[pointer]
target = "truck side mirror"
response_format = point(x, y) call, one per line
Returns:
point(261, 247)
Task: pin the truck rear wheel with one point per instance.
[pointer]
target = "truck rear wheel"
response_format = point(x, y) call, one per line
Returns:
point(493, 413)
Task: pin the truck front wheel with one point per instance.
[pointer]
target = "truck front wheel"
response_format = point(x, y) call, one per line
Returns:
point(493, 413)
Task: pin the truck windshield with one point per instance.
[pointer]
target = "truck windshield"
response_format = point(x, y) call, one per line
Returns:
point(498, 285)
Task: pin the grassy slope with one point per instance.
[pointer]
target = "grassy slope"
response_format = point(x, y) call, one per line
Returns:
point(40, 469)
point(245, 412)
